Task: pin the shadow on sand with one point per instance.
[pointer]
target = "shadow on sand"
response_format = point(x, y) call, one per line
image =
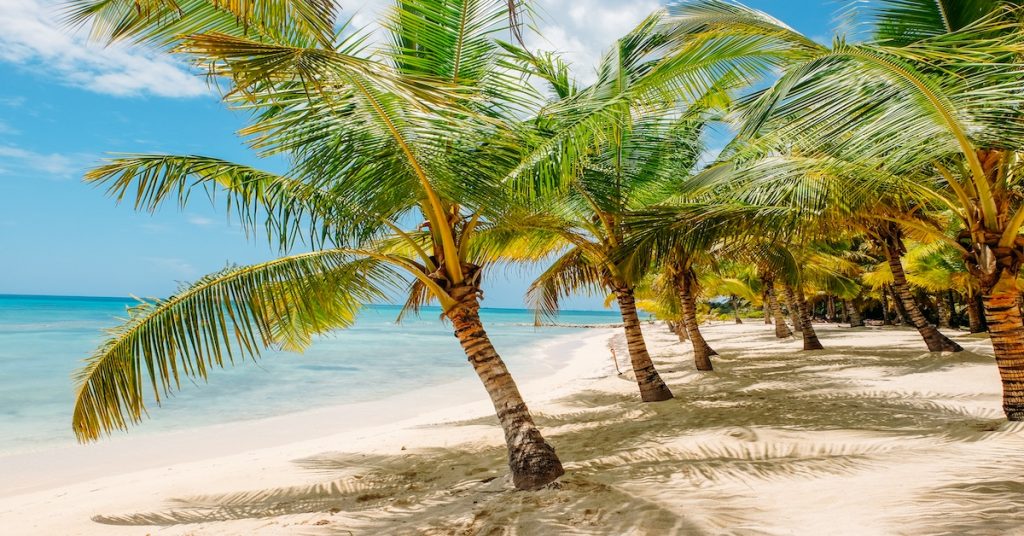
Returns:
point(686, 466)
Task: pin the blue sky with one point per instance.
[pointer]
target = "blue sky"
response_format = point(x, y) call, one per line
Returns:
point(64, 105)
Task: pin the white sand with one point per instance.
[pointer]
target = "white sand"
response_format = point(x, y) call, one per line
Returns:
point(871, 436)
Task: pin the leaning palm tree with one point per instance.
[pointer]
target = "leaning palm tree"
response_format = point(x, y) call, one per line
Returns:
point(365, 132)
point(620, 144)
point(633, 165)
point(929, 105)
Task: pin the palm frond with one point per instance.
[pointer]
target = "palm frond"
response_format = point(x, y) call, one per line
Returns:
point(163, 22)
point(570, 274)
point(288, 208)
point(228, 315)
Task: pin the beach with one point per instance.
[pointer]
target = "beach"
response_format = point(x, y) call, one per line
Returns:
point(873, 435)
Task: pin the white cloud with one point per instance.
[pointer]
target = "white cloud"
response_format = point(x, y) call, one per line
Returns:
point(13, 102)
point(30, 36)
point(196, 219)
point(584, 29)
point(53, 165)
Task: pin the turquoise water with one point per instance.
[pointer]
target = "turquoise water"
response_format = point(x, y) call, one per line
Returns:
point(43, 339)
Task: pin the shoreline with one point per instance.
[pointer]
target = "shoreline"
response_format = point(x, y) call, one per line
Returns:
point(77, 463)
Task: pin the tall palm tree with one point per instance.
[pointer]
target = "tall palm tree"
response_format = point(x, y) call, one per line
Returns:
point(619, 144)
point(633, 165)
point(366, 135)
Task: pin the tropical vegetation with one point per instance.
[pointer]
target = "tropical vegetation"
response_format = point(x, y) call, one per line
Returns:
point(878, 176)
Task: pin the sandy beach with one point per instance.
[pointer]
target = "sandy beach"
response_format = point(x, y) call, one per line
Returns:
point(873, 435)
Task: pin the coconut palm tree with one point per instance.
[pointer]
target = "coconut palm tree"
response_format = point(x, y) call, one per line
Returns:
point(366, 135)
point(737, 281)
point(634, 164)
point(621, 144)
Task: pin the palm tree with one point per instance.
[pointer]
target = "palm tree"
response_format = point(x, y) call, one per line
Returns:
point(782, 331)
point(634, 162)
point(735, 280)
point(936, 268)
point(888, 237)
point(366, 134)
point(622, 144)
point(929, 107)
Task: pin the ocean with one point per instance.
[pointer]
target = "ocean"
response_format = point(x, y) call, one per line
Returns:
point(43, 340)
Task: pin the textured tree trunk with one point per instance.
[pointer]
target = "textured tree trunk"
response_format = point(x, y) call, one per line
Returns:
point(794, 309)
point(735, 310)
point(886, 314)
point(901, 312)
point(766, 308)
point(954, 320)
point(701, 351)
point(652, 387)
point(996, 266)
point(678, 329)
point(856, 321)
point(830, 309)
point(943, 309)
point(781, 329)
point(811, 341)
point(976, 323)
point(936, 341)
point(532, 460)
point(1007, 332)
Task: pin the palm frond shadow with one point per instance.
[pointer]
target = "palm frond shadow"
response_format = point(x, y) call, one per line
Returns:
point(755, 419)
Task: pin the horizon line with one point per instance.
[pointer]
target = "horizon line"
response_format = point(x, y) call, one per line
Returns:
point(129, 298)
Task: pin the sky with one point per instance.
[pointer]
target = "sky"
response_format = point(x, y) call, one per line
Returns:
point(65, 104)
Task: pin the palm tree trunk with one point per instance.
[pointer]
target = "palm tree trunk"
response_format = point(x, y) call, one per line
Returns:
point(830, 309)
point(1007, 332)
point(886, 314)
point(781, 329)
point(735, 310)
point(936, 341)
point(532, 460)
point(702, 352)
point(766, 308)
point(678, 328)
point(975, 320)
point(811, 341)
point(856, 321)
point(944, 312)
point(954, 319)
point(652, 387)
point(794, 309)
point(901, 312)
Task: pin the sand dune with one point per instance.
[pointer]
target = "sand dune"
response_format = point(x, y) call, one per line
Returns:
point(871, 436)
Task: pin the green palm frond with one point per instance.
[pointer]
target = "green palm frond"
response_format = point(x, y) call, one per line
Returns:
point(902, 22)
point(163, 22)
point(452, 40)
point(719, 18)
point(226, 316)
point(572, 273)
point(879, 276)
point(547, 66)
point(288, 208)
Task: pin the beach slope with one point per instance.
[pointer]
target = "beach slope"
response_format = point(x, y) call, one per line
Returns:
point(873, 435)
